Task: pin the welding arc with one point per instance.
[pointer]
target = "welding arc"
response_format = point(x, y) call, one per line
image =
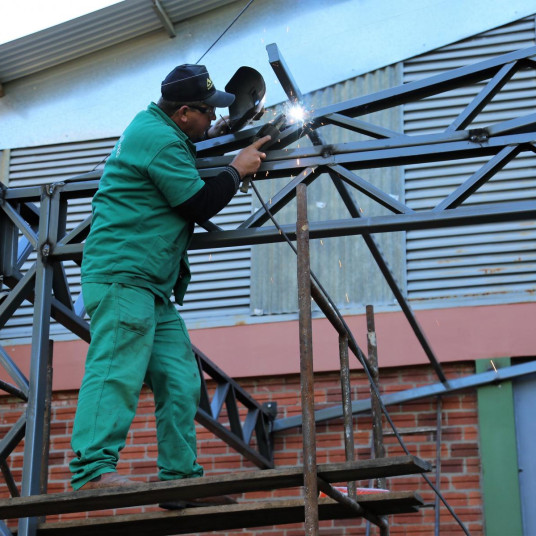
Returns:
point(225, 31)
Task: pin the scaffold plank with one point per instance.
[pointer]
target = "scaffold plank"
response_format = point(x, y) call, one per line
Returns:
point(250, 514)
point(229, 483)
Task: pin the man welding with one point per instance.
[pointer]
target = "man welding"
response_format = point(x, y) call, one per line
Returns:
point(149, 197)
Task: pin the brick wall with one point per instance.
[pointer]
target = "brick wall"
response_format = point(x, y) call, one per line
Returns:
point(460, 466)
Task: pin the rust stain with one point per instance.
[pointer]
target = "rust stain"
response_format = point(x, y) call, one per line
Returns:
point(466, 295)
point(491, 270)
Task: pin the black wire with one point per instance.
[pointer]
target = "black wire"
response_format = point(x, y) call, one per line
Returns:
point(225, 31)
point(362, 359)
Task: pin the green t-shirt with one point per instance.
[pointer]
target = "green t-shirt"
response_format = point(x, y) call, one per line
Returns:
point(136, 236)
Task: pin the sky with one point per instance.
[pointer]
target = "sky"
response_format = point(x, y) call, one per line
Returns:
point(23, 17)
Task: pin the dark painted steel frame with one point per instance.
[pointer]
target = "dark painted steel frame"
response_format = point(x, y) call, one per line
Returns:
point(43, 229)
point(45, 285)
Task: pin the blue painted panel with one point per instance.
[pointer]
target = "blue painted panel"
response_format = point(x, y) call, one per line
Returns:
point(524, 404)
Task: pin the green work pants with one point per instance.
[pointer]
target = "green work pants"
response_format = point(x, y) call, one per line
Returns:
point(136, 337)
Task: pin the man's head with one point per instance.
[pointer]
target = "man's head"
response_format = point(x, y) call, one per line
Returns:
point(189, 98)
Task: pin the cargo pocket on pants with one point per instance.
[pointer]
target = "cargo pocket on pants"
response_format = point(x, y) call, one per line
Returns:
point(136, 308)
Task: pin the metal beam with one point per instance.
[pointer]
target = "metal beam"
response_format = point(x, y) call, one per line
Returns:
point(283, 73)
point(401, 397)
point(362, 127)
point(479, 178)
point(164, 18)
point(235, 434)
point(15, 373)
point(420, 89)
point(35, 426)
point(490, 213)
point(475, 215)
point(17, 295)
point(381, 197)
point(13, 437)
point(486, 94)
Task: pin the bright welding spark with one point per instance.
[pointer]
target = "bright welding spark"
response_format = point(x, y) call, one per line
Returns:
point(297, 113)
point(347, 298)
point(493, 365)
point(210, 257)
point(340, 263)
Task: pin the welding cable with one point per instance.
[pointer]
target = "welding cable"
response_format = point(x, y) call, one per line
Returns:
point(225, 31)
point(362, 359)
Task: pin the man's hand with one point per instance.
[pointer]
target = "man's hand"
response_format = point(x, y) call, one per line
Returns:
point(219, 128)
point(249, 159)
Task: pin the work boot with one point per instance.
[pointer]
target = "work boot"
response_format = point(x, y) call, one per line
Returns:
point(220, 500)
point(108, 480)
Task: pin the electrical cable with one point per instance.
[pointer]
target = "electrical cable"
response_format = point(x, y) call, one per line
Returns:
point(225, 31)
point(206, 52)
point(362, 359)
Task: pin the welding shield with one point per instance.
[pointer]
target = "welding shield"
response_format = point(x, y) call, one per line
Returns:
point(248, 87)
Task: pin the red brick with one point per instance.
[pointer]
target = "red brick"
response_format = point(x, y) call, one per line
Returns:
point(460, 478)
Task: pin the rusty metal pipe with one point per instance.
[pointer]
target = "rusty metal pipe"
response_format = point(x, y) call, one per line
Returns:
point(377, 430)
point(346, 391)
point(306, 365)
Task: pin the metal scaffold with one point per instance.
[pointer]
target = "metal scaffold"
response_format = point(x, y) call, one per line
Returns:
point(33, 220)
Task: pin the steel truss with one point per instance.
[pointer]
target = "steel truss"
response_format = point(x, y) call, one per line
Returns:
point(34, 220)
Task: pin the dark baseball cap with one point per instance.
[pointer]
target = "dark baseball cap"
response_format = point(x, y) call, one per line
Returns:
point(188, 83)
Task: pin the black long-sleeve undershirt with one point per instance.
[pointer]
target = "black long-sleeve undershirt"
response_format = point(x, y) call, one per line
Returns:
point(213, 196)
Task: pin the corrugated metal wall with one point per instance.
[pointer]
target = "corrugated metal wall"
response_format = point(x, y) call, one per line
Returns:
point(221, 279)
point(490, 262)
point(344, 265)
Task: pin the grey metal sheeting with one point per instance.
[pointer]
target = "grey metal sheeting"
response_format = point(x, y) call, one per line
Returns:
point(92, 32)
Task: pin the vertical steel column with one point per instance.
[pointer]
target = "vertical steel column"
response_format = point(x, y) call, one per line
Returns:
point(437, 503)
point(8, 243)
point(377, 429)
point(35, 426)
point(349, 447)
point(306, 366)
point(46, 423)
